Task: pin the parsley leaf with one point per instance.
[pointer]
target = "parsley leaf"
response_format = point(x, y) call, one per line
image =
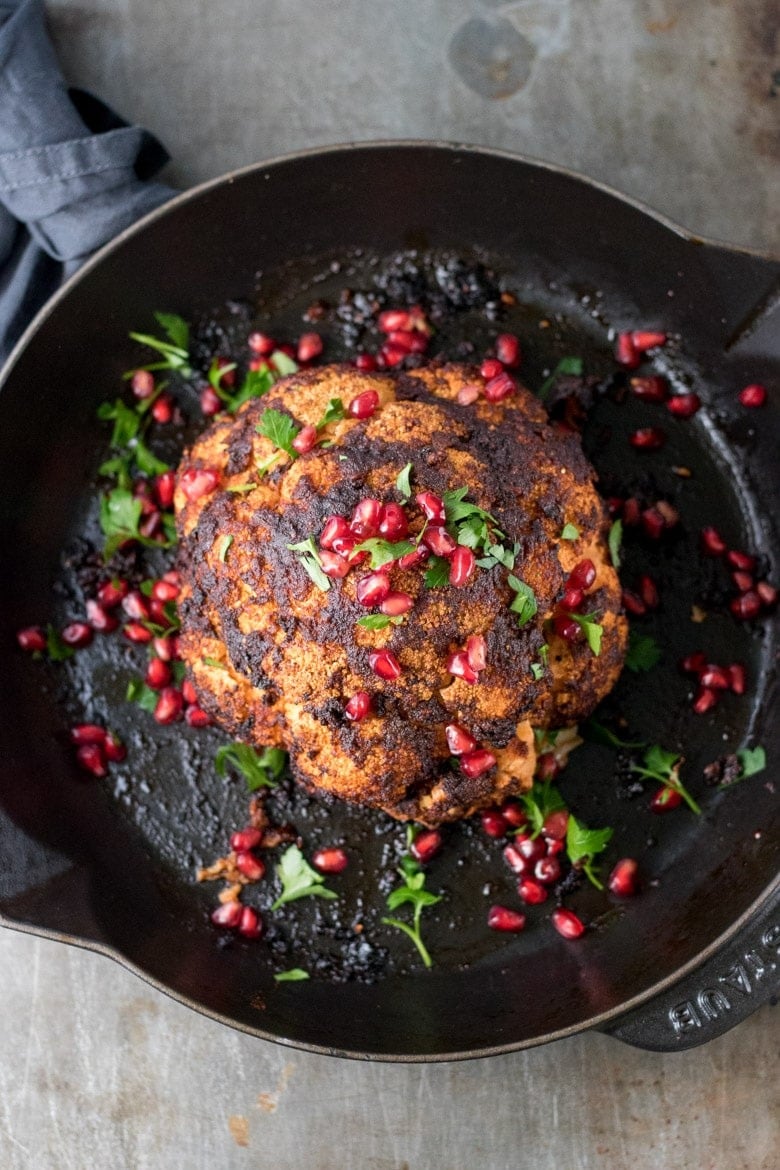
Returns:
point(752, 760)
point(378, 621)
point(383, 551)
point(298, 879)
point(294, 975)
point(242, 488)
point(567, 365)
point(57, 650)
point(542, 800)
point(570, 532)
point(524, 602)
point(643, 652)
point(174, 352)
point(255, 385)
point(146, 461)
point(311, 563)
point(591, 629)
point(334, 412)
point(412, 891)
point(259, 769)
point(224, 544)
point(437, 573)
point(614, 541)
point(126, 420)
point(665, 767)
point(214, 663)
point(175, 328)
point(280, 429)
point(217, 371)
point(283, 363)
point(120, 515)
point(403, 483)
point(138, 692)
point(537, 670)
point(598, 733)
point(583, 844)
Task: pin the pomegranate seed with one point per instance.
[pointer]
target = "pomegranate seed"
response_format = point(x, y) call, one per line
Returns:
point(652, 389)
point(572, 600)
point(714, 677)
point(32, 639)
point(747, 606)
point(693, 663)
point(647, 439)
point(333, 565)
point(547, 870)
point(513, 812)
point(648, 591)
point(189, 694)
point(396, 604)
point(245, 839)
point(358, 706)
point(458, 665)
point(165, 590)
point(704, 700)
point(310, 346)
point(365, 518)
point(135, 632)
point(737, 678)
point(250, 866)
point(712, 543)
point(373, 588)
point(467, 395)
point(439, 541)
point(566, 628)
point(567, 923)
point(491, 368)
point(501, 387)
point(633, 604)
point(556, 825)
point(142, 384)
point(87, 733)
point(112, 592)
point(743, 582)
point(547, 767)
point(767, 593)
point(136, 606)
point(114, 749)
point(162, 409)
point(393, 524)
point(508, 349)
point(476, 652)
point(250, 924)
point(475, 763)
point(409, 341)
point(462, 566)
point(364, 405)
point(418, 557)
point(227, 915)
point(392, 355)
point(198, 481)
point(623, 880)
point(210, 402)
point(515, 860)
point(494, 824)
point(426, 845)
point(664, 800)
point(330, 859)
point(195, 716)
point(509, 921)
point(345, 546)
point(90, 758)
point(77, 635)
point(335, 526)
point(100, 620)
point(261, 344)
point(163, 648)
point(365, 362)
point(459, 741)
point(741, 561)
point(164, 487)
point(684, 405)
point(532, 891)
point(392, 319)
point(582, 576)
point(644, 339)
point(158, 674)
point(625, 351)
point(306, 440)
point(169, 705)
point(532, 849)
point(753, 395)
point(385, 664)
point(430, 506)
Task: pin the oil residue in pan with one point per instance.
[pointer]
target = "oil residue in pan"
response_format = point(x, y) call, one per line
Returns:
point(168, 790)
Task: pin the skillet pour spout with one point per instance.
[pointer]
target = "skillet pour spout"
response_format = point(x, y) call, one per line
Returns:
point(699, 950)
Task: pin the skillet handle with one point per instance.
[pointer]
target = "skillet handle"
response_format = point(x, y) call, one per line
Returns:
point(726, 989)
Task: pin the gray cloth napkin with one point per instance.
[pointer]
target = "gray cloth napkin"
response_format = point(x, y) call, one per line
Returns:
point(72, 173)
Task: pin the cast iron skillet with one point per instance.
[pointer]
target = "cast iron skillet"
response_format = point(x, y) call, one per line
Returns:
point(699, 950)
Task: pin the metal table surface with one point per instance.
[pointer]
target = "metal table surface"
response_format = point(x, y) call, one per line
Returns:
point(673, 102)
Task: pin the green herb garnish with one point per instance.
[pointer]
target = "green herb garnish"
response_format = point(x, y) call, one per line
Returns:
point(298, 879)
point(280, 429)
point(570, 532)
point(214, 663)
point(437, 572)
point(56, 649)
point(334, 412)
point(584, 844)
point(665, 767)
point(567, 365)
point(138, 692)
point(120, 515)
point(752, 760)
point(591, 629)
point(224, 544)
point(309, 560)
point(643, 652)
point(294, 975)
point(403, 483)
point(173, 352)
point(378, 621)
point(524, 602)
point(542, 800)
point(614, 540)
point(383, 551)
point(412, 891)
point(283, 363)
point(259, 769)
point(598, 733)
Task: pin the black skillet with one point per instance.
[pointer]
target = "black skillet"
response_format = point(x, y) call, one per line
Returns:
point(110, 866)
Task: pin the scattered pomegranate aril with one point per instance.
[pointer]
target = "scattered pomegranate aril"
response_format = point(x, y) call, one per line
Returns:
point(547, 870)
point(228, 915)
point(508, 350)
point(515, 860)
point(330, 859)
point(188, 691)
point(623, 881)
point(626, 354)
point(664, 800)
point(439, 541)
point(567, 923)
point(110, 593)
point(582, 576)
point(245, 839)
point(647, 439)
point(514, 813)
point(135, 632)
point(410, 341)
point(261, 344)
point(393, 523)
point(426, 845)
point(365, 362)
point(114, 749)
point(458, 665)
point(195, 716)
point(164, 648)
point(500, 387)
point(743, 582)
point(306, 440)
point(210, 402)
point(373, 589)
point(715, 678)
point(310, 346)
point(365, 518)
point(158, 674)
point(476, 652)
point(250, 924)
point(509, 921)
point(556, 825)
point(164, 488)
point(142, 384)
point(547, 767)
point(747, 606)
point(32, 639)
point(197, 482)
point(684, 405)
point(396, 604)
point(712, 543)
point(753, 395)
point(250, 866)
point(767, 593)
point(390, 320)
point(136, 606)
point(566, 628)
point(358, 706)
point(87, 733)
point(473, 764)
point(633, 604)
point(100, 619)
point(650, 389)
point(431, 506)
point(417, 557)
point(162, 409)
point(742, 561)
point(644, 339)
point(631, 512)
point(693, 663)
point(462, 566)
point(532, 891)
point(163, 590)
point(169, 705)
point(737, 678)
point(335, 526)
point(572, 600)
point(648, 591)
point(704, 700)
point(77, 635)
point(364, 405)
point(459, 740)
point(493, 823)
point(468, 395)
point(533, 849)
point(385, 664)
point(491, 368)
point(91, 758)
point(391, 355)
point(333, 565)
